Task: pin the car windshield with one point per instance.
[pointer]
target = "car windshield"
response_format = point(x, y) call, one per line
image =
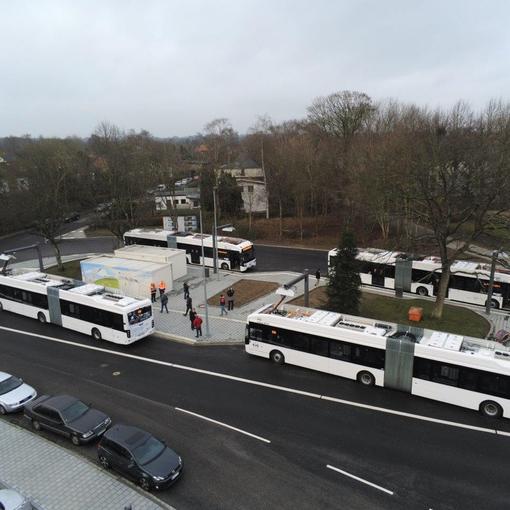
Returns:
point(10, 384)
point(74, 411)
point(148, 451)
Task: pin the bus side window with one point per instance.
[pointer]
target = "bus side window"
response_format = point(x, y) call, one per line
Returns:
point(340, 350)
point(319, 346)
point(445, 374)
point(421, 368)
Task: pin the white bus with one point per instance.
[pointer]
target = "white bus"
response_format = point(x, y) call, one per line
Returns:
point(233, 253)
point(462, 371)
point(86, 308)
point(469, 281)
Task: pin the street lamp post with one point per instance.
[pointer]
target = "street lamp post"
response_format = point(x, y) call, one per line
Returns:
point(488, 304)
point(207, 332)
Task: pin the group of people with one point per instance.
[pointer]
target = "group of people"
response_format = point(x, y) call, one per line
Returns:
point(195, 319)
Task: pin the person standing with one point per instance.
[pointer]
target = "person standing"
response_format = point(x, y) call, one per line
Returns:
point(192, 317)
point(197, 322)
point(153, 292)
point(189, 305)
point(185, 287)
point(162, 287)
point(318, 277)
point(222, 306)
point(230, 300)
point(164, 303)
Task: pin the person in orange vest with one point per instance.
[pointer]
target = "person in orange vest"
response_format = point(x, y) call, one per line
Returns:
point(162, 288)
point(153, 292)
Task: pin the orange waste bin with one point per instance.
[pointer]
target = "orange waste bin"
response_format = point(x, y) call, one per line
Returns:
point(415, 314)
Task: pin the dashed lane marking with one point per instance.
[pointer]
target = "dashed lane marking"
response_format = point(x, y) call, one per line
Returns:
point(359, 479)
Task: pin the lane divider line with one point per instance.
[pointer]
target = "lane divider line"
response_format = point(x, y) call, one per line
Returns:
point(201, 416)
point(261, 384)
point(359, 479)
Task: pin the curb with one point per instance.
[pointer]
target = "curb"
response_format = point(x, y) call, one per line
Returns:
point(82, 458)
point(196, 343)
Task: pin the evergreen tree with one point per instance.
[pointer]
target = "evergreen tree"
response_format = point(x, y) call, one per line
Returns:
point(343, 290)
point(229, 194)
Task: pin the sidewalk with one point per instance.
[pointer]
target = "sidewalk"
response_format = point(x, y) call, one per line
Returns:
point(54, 478)
point(228, 329)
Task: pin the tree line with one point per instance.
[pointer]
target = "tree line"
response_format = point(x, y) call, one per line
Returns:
point(419, 177)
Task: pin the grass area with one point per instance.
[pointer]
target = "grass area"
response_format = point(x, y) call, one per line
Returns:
point(455, 319)
point(98, 232)
point(245, 291)
point(71, 270)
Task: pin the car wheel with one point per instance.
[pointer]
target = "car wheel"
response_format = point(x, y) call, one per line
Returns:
point(144, 484)
point(75, 440)
point(277, 357)
point(491, 409)
point(224, 266)
point(422, 291)
point(96, 334)
point(3, 410)
point(41, 318)
point(366, 379)
point(36, 425)
point(104, 462)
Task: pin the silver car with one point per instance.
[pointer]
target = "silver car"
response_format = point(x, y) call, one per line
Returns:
point(12, 500)
point(14, 393)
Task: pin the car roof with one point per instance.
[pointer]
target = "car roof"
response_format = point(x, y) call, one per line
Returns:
point(4, 376)
point(127, 436)
point(59, 402)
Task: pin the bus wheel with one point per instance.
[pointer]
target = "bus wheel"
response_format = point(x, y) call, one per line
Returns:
point(491, 409)
point(41, 318)
point(96, 334)
point(366, 378)
point(224, 266)
point(277, 357)
point(422, 291)
point(494, 304)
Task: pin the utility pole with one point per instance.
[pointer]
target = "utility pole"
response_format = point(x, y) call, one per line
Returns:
point(207, 332)
point(488, 304)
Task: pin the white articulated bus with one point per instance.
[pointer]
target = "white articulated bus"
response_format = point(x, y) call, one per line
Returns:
point(469, 281)
point(86, 308)
point(233, 253)
point(458, 370)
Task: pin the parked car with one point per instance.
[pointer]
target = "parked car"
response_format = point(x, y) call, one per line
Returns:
point(73, 216)
point(12, 500)
point(67, 416)
point(14, 393)
point(139, 456)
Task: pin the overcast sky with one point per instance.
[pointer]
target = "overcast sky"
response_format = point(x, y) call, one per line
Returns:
point(172, 66)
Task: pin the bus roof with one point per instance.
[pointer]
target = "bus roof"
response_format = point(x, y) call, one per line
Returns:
point(92, 291)
point(330, 322)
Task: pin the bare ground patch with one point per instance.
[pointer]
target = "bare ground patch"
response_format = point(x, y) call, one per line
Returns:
point(245, 291)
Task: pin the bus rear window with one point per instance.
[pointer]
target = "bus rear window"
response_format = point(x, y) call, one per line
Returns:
point(139, 315)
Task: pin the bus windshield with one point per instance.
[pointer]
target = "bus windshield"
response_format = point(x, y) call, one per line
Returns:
point(247, 254)
point(139, 315)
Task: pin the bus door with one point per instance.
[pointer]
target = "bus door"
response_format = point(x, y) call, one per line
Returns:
point(195, 253)
point(378, 275)
point(235, 260)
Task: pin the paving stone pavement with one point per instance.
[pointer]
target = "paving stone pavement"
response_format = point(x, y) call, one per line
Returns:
point(228, 329)
point(57, 479)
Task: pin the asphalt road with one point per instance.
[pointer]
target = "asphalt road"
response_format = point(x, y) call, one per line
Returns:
point(413, 463)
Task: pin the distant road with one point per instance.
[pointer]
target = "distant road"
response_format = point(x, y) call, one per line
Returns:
point(269, 258)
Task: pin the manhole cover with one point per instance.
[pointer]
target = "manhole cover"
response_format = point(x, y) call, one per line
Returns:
point(116, 373)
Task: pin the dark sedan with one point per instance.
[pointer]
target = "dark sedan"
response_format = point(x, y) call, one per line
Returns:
point(139, 456)
point(67, 416)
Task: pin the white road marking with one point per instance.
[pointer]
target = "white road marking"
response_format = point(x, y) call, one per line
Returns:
point(360, 479)
point(261, 384)
point(223, 424)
